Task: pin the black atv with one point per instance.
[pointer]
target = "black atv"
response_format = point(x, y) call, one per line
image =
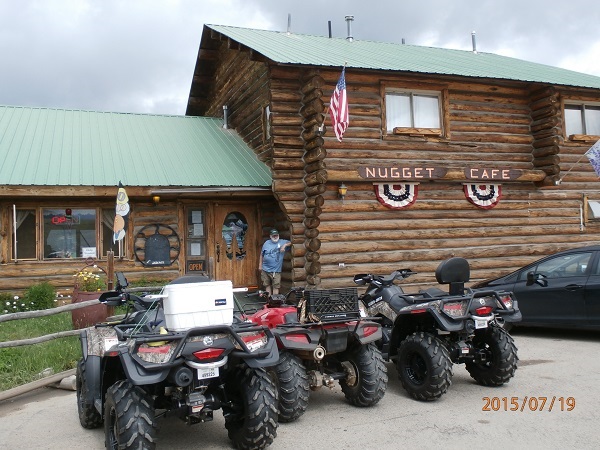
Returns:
point(136, 370)
point(425, 333)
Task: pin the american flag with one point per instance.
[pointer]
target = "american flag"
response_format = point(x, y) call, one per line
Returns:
point(593, 155)
point(338, 107)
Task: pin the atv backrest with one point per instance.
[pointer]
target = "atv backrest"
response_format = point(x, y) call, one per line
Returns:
point(455, 272)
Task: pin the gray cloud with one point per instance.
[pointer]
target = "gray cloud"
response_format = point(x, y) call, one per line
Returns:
point(139, 55)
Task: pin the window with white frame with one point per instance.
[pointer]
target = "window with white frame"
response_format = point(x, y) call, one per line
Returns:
point(582, 119)
point(413, 111)
point(65, 233)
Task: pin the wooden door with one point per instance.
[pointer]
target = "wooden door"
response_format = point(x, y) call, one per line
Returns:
point(236, 247)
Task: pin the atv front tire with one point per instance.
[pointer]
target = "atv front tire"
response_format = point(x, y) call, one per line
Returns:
point(89, 417)
point(293, 386)
point(424, 366)
point(251, 420)
point(129, 418)
point(367, 377)
point(501, 357)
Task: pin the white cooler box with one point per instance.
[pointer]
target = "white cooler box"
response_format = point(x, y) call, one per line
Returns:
point(198, 304)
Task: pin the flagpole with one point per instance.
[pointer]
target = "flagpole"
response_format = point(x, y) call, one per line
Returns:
point(593, 150)
point(557, 182)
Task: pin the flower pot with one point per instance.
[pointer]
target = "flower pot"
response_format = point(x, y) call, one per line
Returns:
point(90, 315)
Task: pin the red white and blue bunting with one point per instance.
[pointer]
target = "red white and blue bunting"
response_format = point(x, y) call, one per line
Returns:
point(484, 196)
point(396, 196)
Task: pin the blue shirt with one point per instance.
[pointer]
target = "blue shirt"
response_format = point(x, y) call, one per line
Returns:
point(272, 255)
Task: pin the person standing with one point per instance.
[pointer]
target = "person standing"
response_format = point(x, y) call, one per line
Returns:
point(271, 261)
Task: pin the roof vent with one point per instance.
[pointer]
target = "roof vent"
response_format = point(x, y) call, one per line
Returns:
point(473, 41)
point(349, 20)
point(225, 119)
point(289, 30)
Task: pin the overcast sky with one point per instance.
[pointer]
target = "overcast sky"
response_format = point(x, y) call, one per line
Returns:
point(139, 55)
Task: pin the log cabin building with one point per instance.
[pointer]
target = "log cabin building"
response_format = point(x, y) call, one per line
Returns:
point(447, 153)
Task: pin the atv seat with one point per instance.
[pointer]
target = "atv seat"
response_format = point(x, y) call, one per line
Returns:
point(454, 272)
point(432, 292)
point(190, 279)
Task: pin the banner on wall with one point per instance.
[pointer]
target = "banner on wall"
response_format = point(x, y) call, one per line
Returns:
point(121, 213)
point(396, 196)
point(484, 196)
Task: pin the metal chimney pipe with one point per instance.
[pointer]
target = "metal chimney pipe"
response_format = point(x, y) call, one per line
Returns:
point(225, 124)
point(289, 30)
point(329, 27)
point(349, 20)
point(473, 41)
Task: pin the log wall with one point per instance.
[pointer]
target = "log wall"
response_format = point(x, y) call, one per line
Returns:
point(497, 124)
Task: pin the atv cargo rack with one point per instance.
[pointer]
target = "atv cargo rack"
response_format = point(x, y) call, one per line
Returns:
point(321, 305)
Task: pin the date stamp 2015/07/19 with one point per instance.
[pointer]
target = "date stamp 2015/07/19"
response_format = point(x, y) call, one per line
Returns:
point(537, 403)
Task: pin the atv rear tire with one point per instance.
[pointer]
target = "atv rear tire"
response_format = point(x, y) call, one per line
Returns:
point(89, 417)
point(251, 422)
point(424, 366)
point(293, 386)
point(129, 418)
point(368, 380)
point(501, 357)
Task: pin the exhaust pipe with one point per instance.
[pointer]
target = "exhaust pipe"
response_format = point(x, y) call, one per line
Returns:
point(319, 353)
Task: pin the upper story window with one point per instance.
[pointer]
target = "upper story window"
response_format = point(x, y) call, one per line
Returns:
point(414, 111)
point(581, 120)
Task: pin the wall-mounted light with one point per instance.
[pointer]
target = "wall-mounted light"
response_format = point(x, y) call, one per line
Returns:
point(156, 199)
point(342, 190)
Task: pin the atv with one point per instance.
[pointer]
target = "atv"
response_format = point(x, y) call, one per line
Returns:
point(322, 338)
point(180, 353)
point(426, 333)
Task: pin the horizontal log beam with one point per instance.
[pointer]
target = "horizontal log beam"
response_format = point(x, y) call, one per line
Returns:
point(452, 174)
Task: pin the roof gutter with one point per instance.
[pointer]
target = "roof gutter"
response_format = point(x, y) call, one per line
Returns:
point(204, 190)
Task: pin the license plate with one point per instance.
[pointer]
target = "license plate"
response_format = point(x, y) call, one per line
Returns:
point(480, 323)
point(211, 372)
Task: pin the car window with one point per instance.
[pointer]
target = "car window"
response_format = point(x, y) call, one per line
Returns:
point(571, 265)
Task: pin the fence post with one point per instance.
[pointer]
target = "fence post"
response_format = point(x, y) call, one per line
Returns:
point(110, 270)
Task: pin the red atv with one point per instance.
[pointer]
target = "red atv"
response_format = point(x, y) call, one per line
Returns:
point(322, 338)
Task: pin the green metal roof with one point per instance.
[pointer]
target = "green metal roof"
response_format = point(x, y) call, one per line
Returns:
point(57, 147)
point(291, 48)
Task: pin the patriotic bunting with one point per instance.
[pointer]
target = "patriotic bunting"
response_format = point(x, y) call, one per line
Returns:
point(484, 196)
point(396, 196)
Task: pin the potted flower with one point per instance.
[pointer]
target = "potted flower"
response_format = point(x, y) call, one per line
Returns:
point(90, 282)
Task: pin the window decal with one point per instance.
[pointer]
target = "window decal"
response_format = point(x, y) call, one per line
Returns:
point(234, 230)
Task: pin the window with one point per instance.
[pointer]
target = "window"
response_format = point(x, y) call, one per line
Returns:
point(196, 241)
point(573, 265)
point(413, 111)
point(266, 123)
point(25, 224)
point(582, 120)
point(68, 232)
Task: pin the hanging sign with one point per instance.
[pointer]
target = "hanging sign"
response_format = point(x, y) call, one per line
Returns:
point(484, 196)
point(396, 196)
